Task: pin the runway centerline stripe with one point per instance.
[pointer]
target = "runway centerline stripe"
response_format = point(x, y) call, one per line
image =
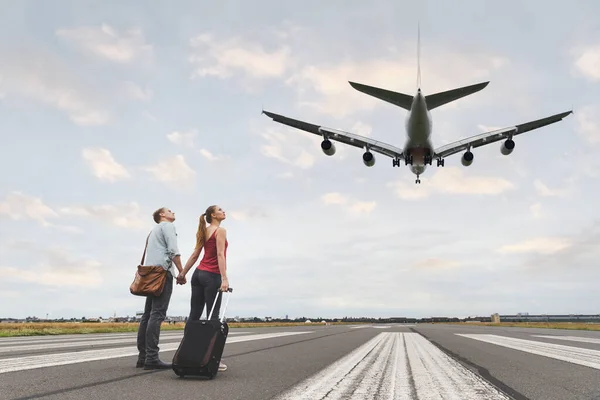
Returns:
point(575, 355)
point(49, 360)
point(386, 366)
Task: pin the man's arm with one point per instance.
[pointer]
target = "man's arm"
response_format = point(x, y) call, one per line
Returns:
point(172, 249)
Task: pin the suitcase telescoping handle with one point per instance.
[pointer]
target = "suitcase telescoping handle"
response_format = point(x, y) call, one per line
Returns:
point(219, 293)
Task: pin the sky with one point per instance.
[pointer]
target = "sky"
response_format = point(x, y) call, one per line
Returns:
point(110, 110)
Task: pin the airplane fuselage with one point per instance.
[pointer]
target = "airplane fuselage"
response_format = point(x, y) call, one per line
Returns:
point(418, 130)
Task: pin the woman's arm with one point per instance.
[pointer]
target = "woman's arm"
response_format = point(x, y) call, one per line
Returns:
point(191, 261)
point(221, 239)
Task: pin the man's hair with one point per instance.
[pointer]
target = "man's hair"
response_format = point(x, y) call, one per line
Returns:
point(156, 214)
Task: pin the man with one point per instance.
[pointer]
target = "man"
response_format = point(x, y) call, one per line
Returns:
point(162, 250)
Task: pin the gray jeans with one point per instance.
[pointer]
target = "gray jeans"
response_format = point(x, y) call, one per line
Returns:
point(155, 312)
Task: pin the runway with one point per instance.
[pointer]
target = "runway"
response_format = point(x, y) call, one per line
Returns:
point(422, 361)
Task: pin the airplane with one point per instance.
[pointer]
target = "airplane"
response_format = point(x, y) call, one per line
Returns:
point(418, 150)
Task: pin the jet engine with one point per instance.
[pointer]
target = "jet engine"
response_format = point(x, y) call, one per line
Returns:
point(467, 159)
point(368, 159)
point(507, 147)
point(328, 147)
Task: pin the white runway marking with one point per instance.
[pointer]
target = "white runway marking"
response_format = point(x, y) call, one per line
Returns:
point(88, 337)
point(81, 342)
point(394, 366)
point(49, 360)
point(575, 355)
point(571, 338)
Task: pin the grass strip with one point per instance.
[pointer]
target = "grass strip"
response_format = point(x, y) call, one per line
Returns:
point(67, 328)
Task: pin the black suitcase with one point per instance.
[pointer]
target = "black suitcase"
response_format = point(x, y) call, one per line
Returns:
point(202, 345)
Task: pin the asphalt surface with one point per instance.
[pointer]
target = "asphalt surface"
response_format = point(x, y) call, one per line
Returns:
point(421, 361)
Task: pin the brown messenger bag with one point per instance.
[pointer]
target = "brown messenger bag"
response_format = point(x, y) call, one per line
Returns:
point(148, 280)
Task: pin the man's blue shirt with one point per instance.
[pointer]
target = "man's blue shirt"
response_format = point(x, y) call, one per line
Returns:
point(162, 246)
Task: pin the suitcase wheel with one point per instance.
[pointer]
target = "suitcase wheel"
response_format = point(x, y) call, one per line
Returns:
point(180, 372)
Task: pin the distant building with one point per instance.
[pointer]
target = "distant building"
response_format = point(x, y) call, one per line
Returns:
point(581, 318)
point(496, 318)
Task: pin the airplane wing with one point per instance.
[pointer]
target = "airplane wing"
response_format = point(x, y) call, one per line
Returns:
point(340, 136)
point(494, 136)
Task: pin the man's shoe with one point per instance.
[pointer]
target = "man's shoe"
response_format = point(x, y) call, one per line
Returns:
point(222, 367)
point(140, 364)
point(156, 365)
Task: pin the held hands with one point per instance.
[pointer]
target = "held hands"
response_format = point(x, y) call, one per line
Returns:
point(181, 279)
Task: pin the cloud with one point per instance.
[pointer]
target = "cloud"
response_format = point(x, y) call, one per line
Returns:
point(588, 123)
point(136, 92)
point(452, 180)
point(124, 216)
point(104, 165)
point(248, 214)
point(183, 138)
point(588, 62)
point(19, 206)
point(56, 267)
point(436, 264)
point(65, 98)
point(541, 245)
point(353, 206)
point(106, 42)
point(545, 191)
point(41, 75)
point(569, 258)
point(187, 139)
point(334, 198)
point(324, 87)
point(290, 147)
point(223, 58)
point(210, 156)
point(536, 210)
point(173, 170)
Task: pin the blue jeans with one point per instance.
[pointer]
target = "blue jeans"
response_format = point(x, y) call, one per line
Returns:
point(205, 287)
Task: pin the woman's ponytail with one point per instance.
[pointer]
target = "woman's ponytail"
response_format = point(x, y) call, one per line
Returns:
point(201, 234)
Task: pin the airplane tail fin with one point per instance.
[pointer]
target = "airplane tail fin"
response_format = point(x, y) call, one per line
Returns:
point(441, 98)
point(396, 98)
point(405, 101)
point(432, 100)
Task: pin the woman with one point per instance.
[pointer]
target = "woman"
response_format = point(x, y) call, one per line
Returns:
point(211, 274)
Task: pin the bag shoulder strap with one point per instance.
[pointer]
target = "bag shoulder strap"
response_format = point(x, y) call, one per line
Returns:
point(144, 255)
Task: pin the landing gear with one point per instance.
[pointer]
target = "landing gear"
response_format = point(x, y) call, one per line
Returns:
point(418, 180)
point(427, 159)
point(407, 160)
point(440, 162)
